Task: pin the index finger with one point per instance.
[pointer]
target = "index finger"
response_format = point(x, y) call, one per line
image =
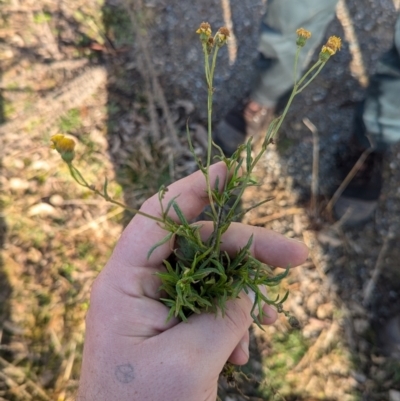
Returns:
point(142, 233)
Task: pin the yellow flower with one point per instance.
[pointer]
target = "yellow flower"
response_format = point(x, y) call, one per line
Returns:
point(302, 36)
point(204, 30)
point(223, 33)
point(64, 146)
point(55, 139)
point(222, 36)
point(333, 44)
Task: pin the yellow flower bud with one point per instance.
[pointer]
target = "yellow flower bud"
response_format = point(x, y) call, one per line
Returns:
point(333, 44)
point(222, 35)
point(302, 36)
point(64, 146)
point(204, 31)
point(55, 139)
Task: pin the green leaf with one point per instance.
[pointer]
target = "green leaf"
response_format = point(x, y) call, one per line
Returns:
point(179, 213)
point(159, 243)
point(248, 156)
point(169, 205)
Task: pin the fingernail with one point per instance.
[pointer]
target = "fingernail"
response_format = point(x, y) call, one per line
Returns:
point(244, 345)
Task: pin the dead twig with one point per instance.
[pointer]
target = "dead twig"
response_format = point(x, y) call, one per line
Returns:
point(276, 216)
point(357, 65)
point(348, 178)
point(232, 42)
point(368, 289)
point(315, 166)
point(93, 223)
point(35, 389)
point(323, 343)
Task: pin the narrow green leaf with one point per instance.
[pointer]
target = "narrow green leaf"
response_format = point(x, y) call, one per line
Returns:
point(248, 156)
point(285, 297)
point(179, 213)
point(169, 205)
point(159, 243)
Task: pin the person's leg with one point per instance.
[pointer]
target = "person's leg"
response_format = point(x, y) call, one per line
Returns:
point(277, 47)
point(377, 126)
point(274, 72)
point(381, 114)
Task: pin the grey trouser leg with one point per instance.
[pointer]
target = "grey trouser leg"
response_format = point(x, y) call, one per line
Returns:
point(382, 106)
point(381, 115)
point(277, 45)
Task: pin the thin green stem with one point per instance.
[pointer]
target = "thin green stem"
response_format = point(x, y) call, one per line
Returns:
point(311, 79)
point(282, 117)
point(296, 59)
point(209, 130)
point(78, 177)
point(206, 64)
point(243, 186)
point(317, 64)
point(295, 91)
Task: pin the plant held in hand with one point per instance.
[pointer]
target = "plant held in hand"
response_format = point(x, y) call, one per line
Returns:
point(199, 276)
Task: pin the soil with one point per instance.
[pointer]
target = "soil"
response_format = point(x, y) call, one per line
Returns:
point(123, 78)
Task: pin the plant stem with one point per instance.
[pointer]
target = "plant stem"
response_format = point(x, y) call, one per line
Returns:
point(210, 78)
point(296, 59)
point(296, 90)
point(78, 177)
point(311, 79)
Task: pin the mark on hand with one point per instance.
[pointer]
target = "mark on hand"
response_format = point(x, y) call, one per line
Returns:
point(124, 373)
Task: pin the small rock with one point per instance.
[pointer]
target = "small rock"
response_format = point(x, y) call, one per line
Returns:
point(41, 209)
point(394, 395)
point(298, 226)
point(17, 184)
point(56, 200)
point(34, 255)
point(313, 301)
point(313, 328)
point(325, 311)
point(40, 165)
point(360, 377)
point(6, 54)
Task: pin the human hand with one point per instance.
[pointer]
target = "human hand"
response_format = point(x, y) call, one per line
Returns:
point(131, 352)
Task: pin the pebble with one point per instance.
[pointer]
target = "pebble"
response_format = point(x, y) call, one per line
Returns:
point(34, 255)
point(394, 395)
point(325, 311)
point(313, 328)
point(17, 184)
point(42, 209)
point(56, 200)
point(313, 301)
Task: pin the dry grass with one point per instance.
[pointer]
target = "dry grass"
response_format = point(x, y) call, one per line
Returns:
point(57, 237)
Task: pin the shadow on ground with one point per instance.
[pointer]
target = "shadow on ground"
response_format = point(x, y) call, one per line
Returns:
point(5, 288)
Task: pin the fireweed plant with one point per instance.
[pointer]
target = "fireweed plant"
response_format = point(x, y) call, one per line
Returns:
point(200, 277)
